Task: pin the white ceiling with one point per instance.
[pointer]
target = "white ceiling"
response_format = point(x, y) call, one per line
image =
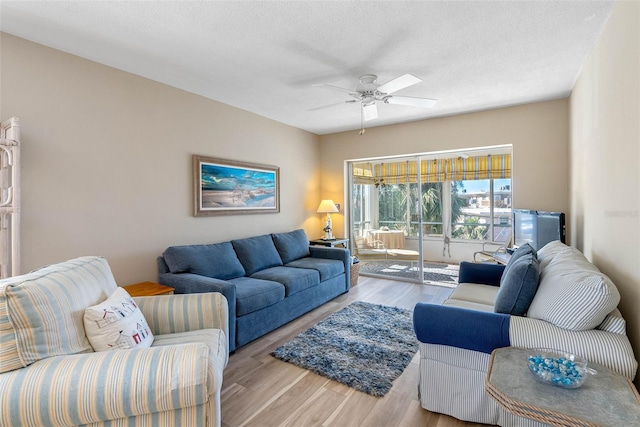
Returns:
point(265, 56)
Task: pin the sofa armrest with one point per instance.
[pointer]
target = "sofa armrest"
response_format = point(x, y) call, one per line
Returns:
point(460, 327)
point(188, 283)
point(605, 348)
point(340, 254)
point(95, 387)
point(186, 312)
point(484, 274)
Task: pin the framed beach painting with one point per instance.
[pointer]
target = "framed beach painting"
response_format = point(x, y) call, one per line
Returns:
point(226, 187)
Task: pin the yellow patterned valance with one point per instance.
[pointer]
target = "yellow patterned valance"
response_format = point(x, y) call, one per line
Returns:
point(362, 173)
point(438, 170)
point(460, 169)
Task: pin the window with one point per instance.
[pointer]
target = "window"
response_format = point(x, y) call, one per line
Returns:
point(432, 201)
point(398, 210)
point(481, 209)
point(392, 206)
point(361, 196)
point(464, 195)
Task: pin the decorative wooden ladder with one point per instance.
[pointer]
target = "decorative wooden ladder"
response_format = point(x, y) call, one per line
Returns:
point(10, 198)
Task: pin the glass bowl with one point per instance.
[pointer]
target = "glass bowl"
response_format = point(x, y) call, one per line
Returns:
point(558, 368)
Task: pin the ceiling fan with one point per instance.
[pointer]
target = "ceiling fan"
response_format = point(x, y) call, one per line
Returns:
point(369, 92)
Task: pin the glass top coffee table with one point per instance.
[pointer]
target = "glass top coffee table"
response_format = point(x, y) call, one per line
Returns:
point(606, 399)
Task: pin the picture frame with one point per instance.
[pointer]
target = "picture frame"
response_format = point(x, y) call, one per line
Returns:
point(228, 187)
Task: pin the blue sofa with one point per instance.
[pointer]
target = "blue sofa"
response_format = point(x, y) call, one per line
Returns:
point(268, 280)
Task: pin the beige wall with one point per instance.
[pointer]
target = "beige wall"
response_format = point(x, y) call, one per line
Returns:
point(538, 133)
point(605, 159)
point(107, 162)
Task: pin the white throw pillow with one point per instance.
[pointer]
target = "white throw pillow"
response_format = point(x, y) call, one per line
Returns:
point(573, 294)
point(117, 324)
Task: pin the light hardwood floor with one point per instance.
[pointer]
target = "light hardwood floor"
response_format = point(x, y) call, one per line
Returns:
point(259, 390)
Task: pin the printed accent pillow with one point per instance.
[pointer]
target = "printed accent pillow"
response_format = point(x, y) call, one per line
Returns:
point(117, 324)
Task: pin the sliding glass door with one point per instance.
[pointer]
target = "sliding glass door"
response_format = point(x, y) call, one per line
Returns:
point(407, 210)
point(385, 217)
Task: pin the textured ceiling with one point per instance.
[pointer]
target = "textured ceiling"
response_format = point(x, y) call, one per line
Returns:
point(265, 56)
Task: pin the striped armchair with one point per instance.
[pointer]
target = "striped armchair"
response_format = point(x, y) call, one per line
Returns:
point(50, 375)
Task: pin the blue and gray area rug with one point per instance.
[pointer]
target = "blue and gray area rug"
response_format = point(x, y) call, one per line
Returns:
point(364, 346)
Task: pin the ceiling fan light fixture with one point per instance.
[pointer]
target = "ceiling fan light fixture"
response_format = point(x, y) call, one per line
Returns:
point(370, 111)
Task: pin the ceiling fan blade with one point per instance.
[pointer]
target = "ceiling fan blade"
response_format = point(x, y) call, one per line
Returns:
point(322, 107)
point(398, 83)
point(412, 101)
point(369, 111)
point(338, 88)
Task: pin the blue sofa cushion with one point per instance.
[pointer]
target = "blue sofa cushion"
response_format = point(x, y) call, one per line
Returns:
point(291, 245)
point(328, 268)
point(518, 286)
point(255, 294)
point(484, 274)
point(523, 250)
point(218, 261)
point(257, 253)
point(293, 279)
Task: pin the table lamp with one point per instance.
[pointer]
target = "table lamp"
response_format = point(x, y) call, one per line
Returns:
point(327, 206)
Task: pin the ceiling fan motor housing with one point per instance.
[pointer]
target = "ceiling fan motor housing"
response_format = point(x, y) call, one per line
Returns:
point(368, 86)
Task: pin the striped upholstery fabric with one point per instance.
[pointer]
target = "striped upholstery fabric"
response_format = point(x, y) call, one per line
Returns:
point(573, 293)
point(88, 388)
point(217, 352)
point(614, 323)
point(452, 379)
point(41, 313)
point(176, 382)
point(192, 416)
point(452, 382)
point(548, 252)
point(186, 312)
point(611, 350)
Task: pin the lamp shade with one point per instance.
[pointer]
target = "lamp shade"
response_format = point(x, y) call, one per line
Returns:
point(327, 206)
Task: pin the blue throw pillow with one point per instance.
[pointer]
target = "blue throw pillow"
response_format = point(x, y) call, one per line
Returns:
point(218, 261)
point(291, 246)
point(518, 286)
point(521, 251)
point(257, 253)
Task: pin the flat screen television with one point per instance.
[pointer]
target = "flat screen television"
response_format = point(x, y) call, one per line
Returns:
point(537, 227)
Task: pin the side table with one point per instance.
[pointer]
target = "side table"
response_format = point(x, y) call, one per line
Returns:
point(331, 243)
point(145, 289)
point(606, 399)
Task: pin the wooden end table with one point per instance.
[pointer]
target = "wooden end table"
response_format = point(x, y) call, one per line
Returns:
point(606, 399)
point(145, 289)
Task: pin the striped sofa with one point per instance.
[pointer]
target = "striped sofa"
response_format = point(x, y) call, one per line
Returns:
point(568, 305)
point(50, 376)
